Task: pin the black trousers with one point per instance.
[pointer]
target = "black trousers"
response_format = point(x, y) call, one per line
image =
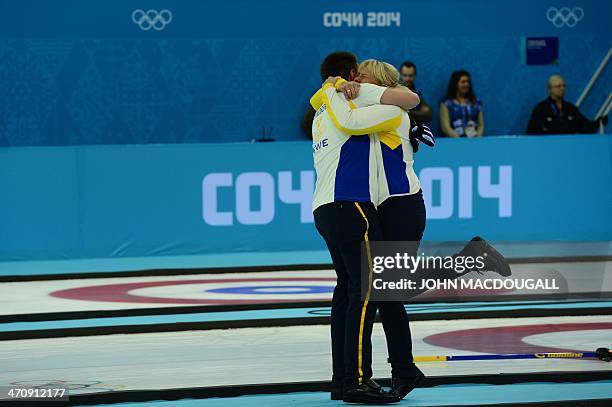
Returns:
point(402, 218)
point(344, 226)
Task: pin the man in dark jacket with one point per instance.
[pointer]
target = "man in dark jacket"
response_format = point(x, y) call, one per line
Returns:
point(557, 116)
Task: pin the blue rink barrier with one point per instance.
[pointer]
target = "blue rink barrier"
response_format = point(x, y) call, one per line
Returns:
point(184, 199)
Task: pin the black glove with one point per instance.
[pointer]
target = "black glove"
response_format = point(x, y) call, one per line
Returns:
point(603, 120)
point(421, 133)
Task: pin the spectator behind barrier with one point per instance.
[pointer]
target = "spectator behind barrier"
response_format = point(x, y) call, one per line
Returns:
point(554, 115)
point(422, 113)
point(460, 111)
point(335, 64)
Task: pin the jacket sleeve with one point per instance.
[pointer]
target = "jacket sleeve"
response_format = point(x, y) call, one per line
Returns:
point(583, 124)
point(536, 121)
point(317, 100)
point(363, 120)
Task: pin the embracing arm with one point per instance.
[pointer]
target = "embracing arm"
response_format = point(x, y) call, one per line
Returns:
point(400, 96)
point(362, 120)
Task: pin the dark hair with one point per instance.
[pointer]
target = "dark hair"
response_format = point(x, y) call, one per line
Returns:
point(340, 64)
point(409, 64)
point(451, 91)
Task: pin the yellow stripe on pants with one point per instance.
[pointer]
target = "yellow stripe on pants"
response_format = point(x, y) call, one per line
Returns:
point(367, 298)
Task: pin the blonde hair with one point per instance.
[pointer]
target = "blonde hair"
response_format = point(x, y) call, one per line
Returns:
point(383, 73)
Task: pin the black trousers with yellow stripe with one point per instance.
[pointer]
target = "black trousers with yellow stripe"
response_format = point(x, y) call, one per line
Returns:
point(344, 226)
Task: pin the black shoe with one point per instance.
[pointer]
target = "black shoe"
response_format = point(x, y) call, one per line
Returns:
point(370, 382)
point(336, 394)
point(400, 386)
point(369, 393)
point(493, 260)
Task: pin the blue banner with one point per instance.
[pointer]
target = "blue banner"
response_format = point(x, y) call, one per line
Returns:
point(299, 19)
point(90, 72)
point(129, 201)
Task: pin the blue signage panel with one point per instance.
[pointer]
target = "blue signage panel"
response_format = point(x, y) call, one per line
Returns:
point(106, 201)
point(542, 50)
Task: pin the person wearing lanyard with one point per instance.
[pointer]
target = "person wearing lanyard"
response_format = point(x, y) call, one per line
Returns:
point(555, 115)
point(345, 216)
point(461, 112)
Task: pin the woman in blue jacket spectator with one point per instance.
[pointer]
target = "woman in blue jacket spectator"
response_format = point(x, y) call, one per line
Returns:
point(460, 111)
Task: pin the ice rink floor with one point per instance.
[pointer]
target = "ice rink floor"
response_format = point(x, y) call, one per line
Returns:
point(292, 354)
point(267, 332)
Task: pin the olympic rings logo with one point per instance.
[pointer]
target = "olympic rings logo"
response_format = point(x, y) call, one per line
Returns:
point(152, 19)
point(565, 16)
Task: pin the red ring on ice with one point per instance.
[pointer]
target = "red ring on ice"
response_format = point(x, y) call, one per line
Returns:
point(120, 292)
point(508, 339)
